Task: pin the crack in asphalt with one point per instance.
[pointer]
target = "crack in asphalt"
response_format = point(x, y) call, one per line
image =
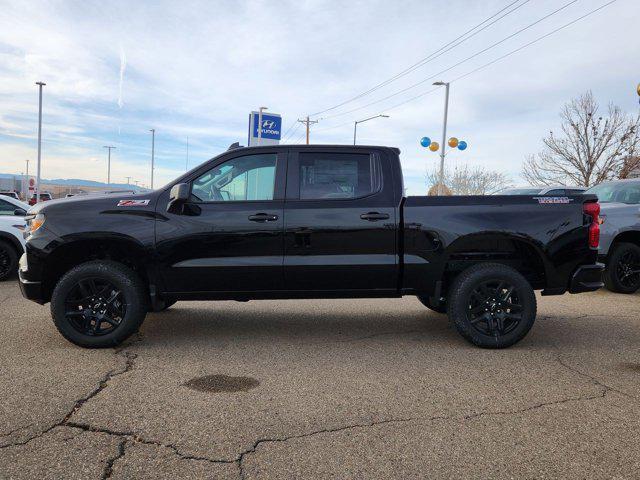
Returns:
point(108, 468)
point(136, 438)
point(102, 384)
point(593, 379)
point(260, 441)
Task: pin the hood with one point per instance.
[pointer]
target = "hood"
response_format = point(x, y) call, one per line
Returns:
point(98, 202)
point(617, 207)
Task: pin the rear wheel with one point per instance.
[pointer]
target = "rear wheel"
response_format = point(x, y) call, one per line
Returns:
point(622, 274)
point(8, 260)
point(492, 305)
point(99, 304)
point(426, 301)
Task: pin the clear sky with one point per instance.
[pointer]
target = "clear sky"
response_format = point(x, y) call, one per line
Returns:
point(193, 69)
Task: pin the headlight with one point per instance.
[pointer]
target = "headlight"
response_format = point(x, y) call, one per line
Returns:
point(34, 223)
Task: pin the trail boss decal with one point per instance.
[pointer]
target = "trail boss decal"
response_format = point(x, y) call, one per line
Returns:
point(133, 203)
point(553, 199)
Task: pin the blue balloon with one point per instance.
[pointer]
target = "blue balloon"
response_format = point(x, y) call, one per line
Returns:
point(462, 145)
point(425, 141)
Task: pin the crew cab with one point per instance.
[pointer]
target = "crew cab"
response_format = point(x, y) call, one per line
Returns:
point(305, 222)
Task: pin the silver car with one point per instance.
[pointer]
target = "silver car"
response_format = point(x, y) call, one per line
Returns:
point(553, 191)
point(620, 233)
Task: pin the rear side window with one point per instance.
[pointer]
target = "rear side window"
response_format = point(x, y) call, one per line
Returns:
point(556, 192)
point(337, 175)
point(6, 208)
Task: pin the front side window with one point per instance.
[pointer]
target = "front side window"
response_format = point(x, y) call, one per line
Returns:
point(247, 178)
point(337, 175)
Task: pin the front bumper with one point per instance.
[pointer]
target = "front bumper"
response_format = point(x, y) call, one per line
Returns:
point(31, 290)
point(587, 278)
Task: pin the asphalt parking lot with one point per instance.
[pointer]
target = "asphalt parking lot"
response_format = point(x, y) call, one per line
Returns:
point(323, 389)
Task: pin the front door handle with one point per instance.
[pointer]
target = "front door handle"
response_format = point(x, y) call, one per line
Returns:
point(263, 217)
point(374, 216)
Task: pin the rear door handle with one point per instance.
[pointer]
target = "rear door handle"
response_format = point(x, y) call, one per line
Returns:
point(374, 216)
point(263, 217)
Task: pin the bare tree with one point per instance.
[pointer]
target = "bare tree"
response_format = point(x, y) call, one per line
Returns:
point(590, 148)
point(469, 181)
point(630, 167)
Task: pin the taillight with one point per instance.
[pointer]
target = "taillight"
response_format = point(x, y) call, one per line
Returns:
point(592, 209)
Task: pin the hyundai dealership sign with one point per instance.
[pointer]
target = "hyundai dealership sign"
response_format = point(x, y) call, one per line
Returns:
point(271, 128)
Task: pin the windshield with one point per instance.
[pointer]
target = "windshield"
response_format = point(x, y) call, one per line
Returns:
point(621, 192)
point(520, 191)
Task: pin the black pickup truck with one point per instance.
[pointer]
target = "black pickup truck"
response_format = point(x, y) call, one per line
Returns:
point(305, 222)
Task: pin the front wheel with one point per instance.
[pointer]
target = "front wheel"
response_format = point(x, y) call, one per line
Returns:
point(99, 304)
point(492, 305)
point(622, 274)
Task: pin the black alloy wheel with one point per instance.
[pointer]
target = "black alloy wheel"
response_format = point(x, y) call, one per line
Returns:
point(494, 308)
point(628, 270)
point(95, 307)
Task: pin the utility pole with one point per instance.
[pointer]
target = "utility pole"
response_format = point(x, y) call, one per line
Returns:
point(308, 122)
point(109, 147)
point(40, 85)
point(444, 136)
point(153, 152)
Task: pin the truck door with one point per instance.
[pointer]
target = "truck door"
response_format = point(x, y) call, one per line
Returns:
point(340, 221)
point(230, 234)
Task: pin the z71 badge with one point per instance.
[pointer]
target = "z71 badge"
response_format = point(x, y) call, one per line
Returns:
point(553, 199)
point(133, 203)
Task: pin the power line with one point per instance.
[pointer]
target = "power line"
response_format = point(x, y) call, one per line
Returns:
point(433, 55)
point(488, 63)
point(480, 52)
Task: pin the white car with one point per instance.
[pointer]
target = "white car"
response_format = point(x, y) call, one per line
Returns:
point(12, 224)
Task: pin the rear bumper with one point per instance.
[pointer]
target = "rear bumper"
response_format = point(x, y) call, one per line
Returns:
point(31, 290)
point(587, 278)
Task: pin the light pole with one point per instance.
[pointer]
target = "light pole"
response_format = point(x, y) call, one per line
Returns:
point(153, 152)
point(109, 147)
point(25, 186)
point(355, 124)
point(128, 178)
point(40, 85)
point(260, 110)
point(444, 135)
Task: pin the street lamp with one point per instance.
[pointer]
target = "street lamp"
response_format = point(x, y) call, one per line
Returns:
point(444, 134)
point(109, 147)
point(355, 124)
point(153, 151)
point(40, 85)
point(260, 110)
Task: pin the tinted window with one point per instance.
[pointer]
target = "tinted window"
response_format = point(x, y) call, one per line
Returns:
point(251, 177)
point(556, 192)
point(6, 208)
point(617, 192)
point(520, 191)
point(337, 175)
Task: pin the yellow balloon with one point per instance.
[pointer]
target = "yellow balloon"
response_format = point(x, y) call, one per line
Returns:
point(453, 142)
point(434, 146)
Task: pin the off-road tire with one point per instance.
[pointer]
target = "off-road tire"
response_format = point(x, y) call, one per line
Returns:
point(460, 299)
point(611, 276)
point(134, 294)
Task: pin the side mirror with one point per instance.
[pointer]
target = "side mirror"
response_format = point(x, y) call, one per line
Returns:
point(179, 194)
point(19, 212)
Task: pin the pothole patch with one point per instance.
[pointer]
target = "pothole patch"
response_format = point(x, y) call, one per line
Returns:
point(631, 367)
point(222, 384)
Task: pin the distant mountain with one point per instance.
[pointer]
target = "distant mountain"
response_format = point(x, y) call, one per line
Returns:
point(79, 182)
